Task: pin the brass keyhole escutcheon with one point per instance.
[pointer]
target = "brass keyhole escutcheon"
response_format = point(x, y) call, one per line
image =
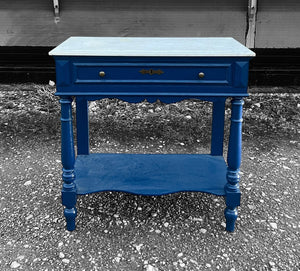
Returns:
point(201, 74)
point(151, 72)
point(102, 73)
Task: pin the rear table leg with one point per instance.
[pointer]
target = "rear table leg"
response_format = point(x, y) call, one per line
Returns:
point(82, 121)
point(232, 188)
point(217, 133)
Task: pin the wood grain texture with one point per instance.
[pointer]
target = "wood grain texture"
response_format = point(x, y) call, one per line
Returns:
point(31, 22)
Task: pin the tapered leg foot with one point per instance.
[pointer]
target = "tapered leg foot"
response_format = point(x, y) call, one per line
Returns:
point(70, 215)
point(231, 216)
point(69, 198)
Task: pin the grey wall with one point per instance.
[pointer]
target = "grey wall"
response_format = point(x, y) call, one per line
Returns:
point(278, 24)
point(31, 22)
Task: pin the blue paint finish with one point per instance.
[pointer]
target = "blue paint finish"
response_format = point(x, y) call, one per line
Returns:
point(217, 133)
point(88, 73)
point(82, 121)
point(235, 139)
point(150, 174)
point(140, 96)
point(151, 72)
point(67, 144)
point(63, 77)
point(241, 73)
point(180, 76)
point(231, 216)
point(232, 188)
point(69, 193)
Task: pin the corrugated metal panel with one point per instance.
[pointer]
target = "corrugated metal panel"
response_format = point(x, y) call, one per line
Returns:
point(31, 22)
point(278, 24)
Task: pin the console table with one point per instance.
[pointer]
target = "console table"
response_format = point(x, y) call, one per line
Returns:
point(134, 69)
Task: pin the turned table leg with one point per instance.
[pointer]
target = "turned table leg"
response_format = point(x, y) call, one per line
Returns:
point(69, 196)
point(232, 188)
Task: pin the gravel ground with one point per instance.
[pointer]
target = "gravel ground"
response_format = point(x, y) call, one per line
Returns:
point(182, 231)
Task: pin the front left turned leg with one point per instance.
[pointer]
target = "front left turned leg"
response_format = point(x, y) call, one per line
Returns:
point(69, 195)
point(232, 188)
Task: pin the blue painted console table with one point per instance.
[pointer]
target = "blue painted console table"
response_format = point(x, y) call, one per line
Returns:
point(134, 69)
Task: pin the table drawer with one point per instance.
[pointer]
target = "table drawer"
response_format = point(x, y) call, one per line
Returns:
point(153, 73)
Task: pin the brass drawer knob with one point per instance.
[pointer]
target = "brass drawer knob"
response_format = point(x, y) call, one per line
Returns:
point(201, 74)
point(102, 73)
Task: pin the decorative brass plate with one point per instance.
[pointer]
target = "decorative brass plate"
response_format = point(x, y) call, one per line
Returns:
point(151, 72)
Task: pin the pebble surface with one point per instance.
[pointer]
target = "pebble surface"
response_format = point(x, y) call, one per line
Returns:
point(118, 231)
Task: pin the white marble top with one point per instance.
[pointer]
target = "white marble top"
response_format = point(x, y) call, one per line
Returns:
point(138, 46)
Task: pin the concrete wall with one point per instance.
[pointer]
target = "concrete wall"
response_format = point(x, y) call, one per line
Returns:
point(32, 22)
point(278, 24)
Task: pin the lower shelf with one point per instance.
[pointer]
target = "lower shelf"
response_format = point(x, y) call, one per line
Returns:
point(150, 174)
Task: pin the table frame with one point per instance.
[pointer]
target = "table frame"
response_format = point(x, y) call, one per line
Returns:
point(232, 191)
point(129, 61)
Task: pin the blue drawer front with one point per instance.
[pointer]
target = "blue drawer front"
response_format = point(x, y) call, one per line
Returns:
point(154, 77)
point(152, 73)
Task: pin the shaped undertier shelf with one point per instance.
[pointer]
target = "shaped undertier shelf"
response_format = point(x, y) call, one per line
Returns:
point(150, 174)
